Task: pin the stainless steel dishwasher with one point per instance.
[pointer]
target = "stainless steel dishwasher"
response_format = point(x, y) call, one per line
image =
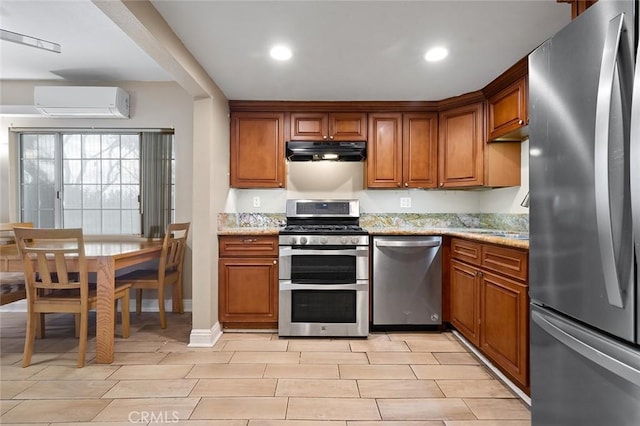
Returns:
point(407, 280)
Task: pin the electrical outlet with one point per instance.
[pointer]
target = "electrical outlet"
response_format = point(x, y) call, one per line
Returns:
point(256, 201)
point(405, 202)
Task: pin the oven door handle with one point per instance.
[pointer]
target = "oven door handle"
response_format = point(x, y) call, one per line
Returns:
point(289, 285)
point(358, 252)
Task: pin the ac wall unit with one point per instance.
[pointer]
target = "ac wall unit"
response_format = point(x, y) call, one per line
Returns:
point(82, 101)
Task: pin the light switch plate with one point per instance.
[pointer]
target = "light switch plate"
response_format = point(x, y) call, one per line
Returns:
point(405, 202)
point(256, 201)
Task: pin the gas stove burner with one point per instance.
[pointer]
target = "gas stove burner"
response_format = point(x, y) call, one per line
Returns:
point(324, 229)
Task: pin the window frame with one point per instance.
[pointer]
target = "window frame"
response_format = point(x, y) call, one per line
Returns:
point(59, 134)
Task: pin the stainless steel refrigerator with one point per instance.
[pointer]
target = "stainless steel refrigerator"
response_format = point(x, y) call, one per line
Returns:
point(584, 135)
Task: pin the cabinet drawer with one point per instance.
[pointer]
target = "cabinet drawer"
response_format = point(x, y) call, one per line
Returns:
point(467, 251)
point(510, 262)
point(248, 246)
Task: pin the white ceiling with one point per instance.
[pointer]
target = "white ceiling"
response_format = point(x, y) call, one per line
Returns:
point(342, 50)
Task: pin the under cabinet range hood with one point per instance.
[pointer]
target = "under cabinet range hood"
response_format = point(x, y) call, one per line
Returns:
point(326, 151)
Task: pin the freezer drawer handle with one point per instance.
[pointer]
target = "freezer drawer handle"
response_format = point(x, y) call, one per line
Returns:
point(407, 243)
point(563, 334)
point(601, 161)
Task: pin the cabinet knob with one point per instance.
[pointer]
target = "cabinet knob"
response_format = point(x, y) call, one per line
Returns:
point(399, 185)
point(521, 122)
point(406, 184)
point(325, 137)
point(331, 137)
point(275, 262)
point(441, 184)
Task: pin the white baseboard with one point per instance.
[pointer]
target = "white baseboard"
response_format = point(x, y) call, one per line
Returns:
point(151, 305)
point(148, 305)
point(205, 338)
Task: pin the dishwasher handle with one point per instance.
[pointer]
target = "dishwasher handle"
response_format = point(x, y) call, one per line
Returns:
point(405, 243)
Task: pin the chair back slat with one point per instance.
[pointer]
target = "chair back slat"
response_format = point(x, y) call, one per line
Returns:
point(61, 269)
point(173, 257)
point(43, 269)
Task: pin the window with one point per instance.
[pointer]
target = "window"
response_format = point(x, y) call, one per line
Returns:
point(96, 180)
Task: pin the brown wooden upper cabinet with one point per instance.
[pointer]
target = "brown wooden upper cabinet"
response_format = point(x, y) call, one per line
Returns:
point(402, 150)
point(257, 150)
point(465, 160)
point(343, 126)
point(507, 115)
point(461, 143)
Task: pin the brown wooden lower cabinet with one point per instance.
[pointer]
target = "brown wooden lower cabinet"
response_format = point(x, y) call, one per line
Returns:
point(490, 309)
point(504, 315)
point(465, 300)
point(248, 282)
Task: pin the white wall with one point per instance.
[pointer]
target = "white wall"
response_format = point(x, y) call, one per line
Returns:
point(346, 180)
point(210, 166)
point(153, 105)
point(507, 200)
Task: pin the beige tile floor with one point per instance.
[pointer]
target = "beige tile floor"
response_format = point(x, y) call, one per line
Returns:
point(249, 379)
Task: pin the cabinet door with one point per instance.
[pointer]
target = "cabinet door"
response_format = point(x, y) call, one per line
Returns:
point(507, 113)
point(465, 301)
point(328, 127)
point(384, 151)
point(504, 324)
point(257, 150)
point(309, 126)
point(248, 290)
point(420, 150)
point(461, 147)
point(348, 126)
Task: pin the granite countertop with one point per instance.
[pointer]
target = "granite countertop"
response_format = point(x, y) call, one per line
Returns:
point(510, 239)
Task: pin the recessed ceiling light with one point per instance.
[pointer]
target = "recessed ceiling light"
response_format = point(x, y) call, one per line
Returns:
point(280, 53)
point(436, 54)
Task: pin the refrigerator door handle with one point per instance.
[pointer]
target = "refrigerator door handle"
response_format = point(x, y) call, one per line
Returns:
point(634, 155)
point(594, 349)
point(601, 160)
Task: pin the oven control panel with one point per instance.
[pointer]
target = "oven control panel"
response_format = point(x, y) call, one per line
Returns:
point(324, 240)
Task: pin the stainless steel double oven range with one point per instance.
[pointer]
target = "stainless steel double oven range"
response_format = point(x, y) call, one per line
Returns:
point(324, 270)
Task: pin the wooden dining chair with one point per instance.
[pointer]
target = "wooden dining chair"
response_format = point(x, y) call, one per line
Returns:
point(57, 281)
point(169, 272)
point(12, 287)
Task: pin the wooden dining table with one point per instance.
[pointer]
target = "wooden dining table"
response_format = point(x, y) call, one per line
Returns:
point(105, 256)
